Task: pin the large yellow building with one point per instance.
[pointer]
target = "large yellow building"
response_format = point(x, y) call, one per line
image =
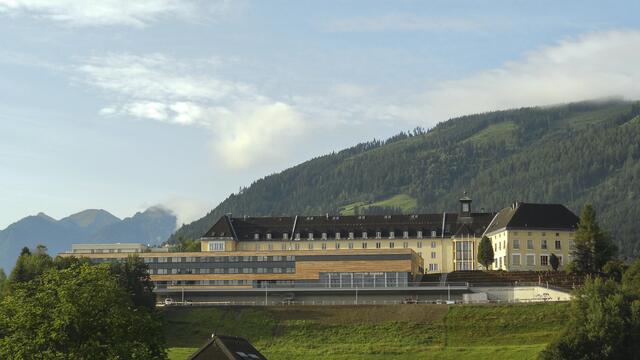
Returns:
point(446, 242)
point(525, 235)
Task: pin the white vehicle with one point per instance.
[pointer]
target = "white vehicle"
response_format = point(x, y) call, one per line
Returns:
point(168, 302)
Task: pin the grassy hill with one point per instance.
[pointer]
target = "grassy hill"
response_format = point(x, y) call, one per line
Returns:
point(570, 154)
point(394, 332)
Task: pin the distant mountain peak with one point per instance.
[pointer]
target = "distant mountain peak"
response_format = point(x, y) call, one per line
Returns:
point(45, 216)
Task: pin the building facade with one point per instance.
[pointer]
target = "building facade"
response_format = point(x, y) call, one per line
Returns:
point(362, 251)
point(446, 242)
point(525, 235)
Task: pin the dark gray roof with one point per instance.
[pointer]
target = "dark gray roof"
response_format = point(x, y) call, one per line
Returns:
point(227, 348)
point(534, 216)
point(246, 228)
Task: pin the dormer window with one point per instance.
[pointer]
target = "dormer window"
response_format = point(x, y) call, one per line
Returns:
point(256, 236)
point(350, 235)
point(364, 234)
point(337, 236)
point(378, 234)
point(324, 236)
point(434, 233)
point(268, 236)
point(419, 235)
point(285, 236)
point(392, 234)
point(297, 236)
point(405, 234)
point(310, 236)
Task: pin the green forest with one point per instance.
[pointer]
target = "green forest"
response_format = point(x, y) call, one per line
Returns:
point(571, 154)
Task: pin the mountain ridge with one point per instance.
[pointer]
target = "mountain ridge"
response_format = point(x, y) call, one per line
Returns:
point(151, 226)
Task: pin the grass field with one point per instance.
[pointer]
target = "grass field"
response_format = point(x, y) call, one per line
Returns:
point(402, 201)
point(395, 332)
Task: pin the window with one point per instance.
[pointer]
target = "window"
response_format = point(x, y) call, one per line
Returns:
point(516, 244)
point(285, 236)
point(337, 246)
point(268, 236)
point(310, 236)
point(433, 267)
point(218, 270)
point(378, 234)
point(283, 246)
point(405, 244)
point(324, 236)
point(558, 245)
point(515, 260)
point(543, 244)
point(337, 236)
point(378, 245)
point(433, 233)
point(310, 246)
point(419, 244)
point(270, 247)
point(405, 234)
point(256, 236)
point(364, 245)
point(176, 259)
point(162, 259)
point(297, 236)
point(433, 244)
point(297, 247)
point(560, 260)
point(291, 270)
point(291, 258)
point(530, 244)
point(232, 270)
point(350, 245)
point(247, 270)
point(277, 258)
point(531, 260)
point(364, 234)
point(257, 247)
point(324, 246)
point(276, 270)
point(434, 254)
point(261, 270)
point(392, 234)
point(419, 235)
point(216, 245)
point(392, 245)
point(351, 235)
point(544, 260)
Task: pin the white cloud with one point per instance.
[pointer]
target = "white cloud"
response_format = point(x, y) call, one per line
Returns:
point(246, 126)
point(103, 12)
point(259, 131)
point(187, 210)
point(597, 65)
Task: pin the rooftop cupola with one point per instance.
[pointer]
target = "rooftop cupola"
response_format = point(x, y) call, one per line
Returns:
point(465, 205)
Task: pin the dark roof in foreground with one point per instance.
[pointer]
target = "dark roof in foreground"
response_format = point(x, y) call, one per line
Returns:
point(222, 347)
point(534, 216)
point(442, 225)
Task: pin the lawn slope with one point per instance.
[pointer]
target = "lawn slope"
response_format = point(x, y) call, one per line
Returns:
point(373, 332)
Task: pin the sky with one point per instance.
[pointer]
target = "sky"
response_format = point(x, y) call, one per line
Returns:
point(122, 105)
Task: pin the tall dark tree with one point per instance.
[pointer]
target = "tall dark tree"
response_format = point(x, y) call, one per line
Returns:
point(133, 276)
point(554, 261)
point(485, 252)
point(593, 248)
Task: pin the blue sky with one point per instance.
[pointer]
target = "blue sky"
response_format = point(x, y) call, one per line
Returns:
point(131, 104)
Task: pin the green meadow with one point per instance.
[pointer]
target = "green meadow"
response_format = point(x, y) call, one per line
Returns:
point(395, 332)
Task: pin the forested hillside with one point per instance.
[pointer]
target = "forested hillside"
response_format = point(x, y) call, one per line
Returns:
point(571, 154)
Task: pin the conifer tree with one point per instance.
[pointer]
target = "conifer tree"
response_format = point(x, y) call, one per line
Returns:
point(593, 248)
point(485, 252)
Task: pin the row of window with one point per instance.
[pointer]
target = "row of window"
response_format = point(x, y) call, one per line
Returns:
point(530, 260)
point(350, 235)
point(233, 270)
point(529, 233)
point(192, 259)
point(337, 246)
